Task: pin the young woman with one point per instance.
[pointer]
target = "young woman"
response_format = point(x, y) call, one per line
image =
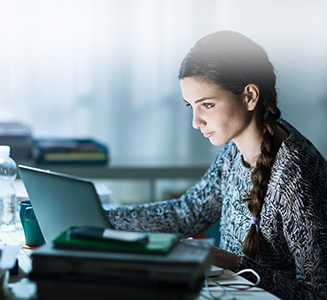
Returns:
point(268, 185)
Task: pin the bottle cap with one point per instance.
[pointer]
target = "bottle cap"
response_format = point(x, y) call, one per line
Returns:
point(5, 149)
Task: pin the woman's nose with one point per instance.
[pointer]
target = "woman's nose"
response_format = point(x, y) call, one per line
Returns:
point(197, 121)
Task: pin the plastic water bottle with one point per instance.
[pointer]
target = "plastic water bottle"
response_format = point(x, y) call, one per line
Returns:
point(8, 173)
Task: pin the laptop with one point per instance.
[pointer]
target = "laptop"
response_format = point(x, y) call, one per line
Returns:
point(61, 201)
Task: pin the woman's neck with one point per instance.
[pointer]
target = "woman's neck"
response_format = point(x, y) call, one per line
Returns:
point(250, 142)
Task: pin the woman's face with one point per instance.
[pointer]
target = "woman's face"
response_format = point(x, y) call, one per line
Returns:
point(220, 115)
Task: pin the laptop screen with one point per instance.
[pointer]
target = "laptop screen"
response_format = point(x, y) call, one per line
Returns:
point(61, 201)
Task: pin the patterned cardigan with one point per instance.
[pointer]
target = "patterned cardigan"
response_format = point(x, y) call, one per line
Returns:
point(292, 261)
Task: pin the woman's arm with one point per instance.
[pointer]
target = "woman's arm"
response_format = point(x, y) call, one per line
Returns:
point(225, 259)
point(188, 215)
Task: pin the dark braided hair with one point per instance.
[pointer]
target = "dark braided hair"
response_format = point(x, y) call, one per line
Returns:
point(233, 61)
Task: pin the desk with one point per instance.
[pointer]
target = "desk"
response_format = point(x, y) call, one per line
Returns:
point(22, 289)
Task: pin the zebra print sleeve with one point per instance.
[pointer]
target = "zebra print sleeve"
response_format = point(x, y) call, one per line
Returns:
point(188, 215)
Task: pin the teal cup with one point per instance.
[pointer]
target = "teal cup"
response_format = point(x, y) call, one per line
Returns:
point(32, 231)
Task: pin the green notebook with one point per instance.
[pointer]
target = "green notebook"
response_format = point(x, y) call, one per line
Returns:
point(159, 243)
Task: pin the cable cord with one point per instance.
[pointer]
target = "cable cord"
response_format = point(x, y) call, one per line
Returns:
point(242, 286)
point(224, 286)
point(211, 296)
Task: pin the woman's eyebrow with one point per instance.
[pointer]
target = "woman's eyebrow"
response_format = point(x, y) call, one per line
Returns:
point(199, 100)
point(202, 99)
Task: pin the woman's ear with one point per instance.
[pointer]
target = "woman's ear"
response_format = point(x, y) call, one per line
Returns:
point(251, 93)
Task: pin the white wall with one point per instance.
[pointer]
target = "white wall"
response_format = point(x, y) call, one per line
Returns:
point(108, 68)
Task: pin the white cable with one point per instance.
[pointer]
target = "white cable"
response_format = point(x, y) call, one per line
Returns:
point(224, 286)
point(246, 286)
point(216, 297)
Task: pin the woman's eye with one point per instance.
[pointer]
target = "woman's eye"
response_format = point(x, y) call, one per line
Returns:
point(208, 105)
point(188, 105)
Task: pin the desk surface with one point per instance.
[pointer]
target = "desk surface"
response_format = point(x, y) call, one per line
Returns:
point(21, 288)
point(131, 172)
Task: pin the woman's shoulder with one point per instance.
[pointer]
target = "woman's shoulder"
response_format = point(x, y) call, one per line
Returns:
point(298, 150)
point(298, 163)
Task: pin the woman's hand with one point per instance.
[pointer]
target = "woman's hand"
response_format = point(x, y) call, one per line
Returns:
point(225, 259)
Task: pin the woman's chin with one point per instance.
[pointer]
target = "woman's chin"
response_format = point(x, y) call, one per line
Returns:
point(216, 142)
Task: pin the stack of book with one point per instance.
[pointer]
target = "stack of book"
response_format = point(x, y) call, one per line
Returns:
point(174, 271)
point(70, 151)
point(19, 137)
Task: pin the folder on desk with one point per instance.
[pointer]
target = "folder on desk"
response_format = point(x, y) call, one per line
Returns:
point(158, 243)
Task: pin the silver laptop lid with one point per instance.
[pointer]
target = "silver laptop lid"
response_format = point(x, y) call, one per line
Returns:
point(61, 201)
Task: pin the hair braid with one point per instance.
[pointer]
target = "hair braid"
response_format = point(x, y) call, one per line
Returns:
point(261, 174)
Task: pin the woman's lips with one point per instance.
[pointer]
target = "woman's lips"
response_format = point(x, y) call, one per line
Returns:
point(207, 134)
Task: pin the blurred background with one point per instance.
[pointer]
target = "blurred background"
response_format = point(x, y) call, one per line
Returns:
point(107, 69)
